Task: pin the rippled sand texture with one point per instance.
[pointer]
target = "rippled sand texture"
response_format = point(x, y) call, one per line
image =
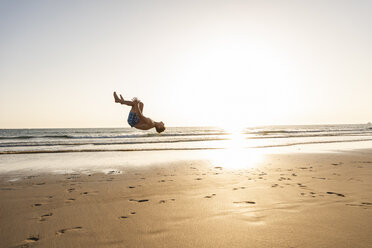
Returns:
point(302, 200)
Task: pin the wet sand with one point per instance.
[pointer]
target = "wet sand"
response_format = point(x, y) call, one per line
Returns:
point(287, 200)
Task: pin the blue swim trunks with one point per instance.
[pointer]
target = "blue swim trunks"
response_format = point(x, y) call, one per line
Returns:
point(133, 119)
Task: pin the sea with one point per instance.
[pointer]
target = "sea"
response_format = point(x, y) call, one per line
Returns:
point(32, 148)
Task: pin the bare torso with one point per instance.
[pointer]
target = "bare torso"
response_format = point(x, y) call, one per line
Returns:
point(144, 123)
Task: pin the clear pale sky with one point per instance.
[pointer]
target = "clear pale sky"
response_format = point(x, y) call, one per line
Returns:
point(218, 63)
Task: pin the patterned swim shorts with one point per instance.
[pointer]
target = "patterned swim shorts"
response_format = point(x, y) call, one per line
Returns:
point(133, 119)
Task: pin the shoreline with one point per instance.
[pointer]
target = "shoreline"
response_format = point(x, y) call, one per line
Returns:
point(91, 162)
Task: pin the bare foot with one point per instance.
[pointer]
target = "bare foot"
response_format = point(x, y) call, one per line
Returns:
point(116, 97)
point(121, 98)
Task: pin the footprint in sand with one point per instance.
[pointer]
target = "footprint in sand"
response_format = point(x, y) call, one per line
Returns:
point(37, 205)
point(247, 202)
point(143, 200)
point(322, 178)
point(44, 216)
point(210, 196)
point(365, 205)
point(131, 187)
point(334, 193)
point(312, 194)
point(163, 181)
point(62, 231)
point(32, 239)
point(164, 201)
point(238, 188)
point(198, 178)
point(301, 185)
point(71, 189)
point(123, 217)
point(69, 200)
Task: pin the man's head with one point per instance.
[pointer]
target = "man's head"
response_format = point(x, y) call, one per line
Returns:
point(159, 126)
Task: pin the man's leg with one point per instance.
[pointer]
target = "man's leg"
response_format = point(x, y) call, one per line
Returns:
point(137, 109)
point(116, 97)
point(121, 100)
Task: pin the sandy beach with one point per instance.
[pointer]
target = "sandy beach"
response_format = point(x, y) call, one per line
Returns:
point(286, 200)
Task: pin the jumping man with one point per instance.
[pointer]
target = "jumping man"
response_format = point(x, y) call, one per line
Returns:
point(136, 118)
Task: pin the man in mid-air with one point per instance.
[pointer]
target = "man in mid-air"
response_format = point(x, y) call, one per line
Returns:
point(136, 118)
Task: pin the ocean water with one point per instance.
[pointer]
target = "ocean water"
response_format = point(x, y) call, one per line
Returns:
point(26, 141)
point(61, 150)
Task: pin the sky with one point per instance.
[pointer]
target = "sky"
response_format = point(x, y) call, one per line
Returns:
point(192, 63)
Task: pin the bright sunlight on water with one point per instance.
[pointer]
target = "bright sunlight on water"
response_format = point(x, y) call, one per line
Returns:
point(237, 155)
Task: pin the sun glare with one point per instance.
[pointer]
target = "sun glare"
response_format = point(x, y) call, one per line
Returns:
point(236, 154)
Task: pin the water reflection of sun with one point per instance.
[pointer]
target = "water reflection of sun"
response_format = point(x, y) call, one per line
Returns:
point(236, 154)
